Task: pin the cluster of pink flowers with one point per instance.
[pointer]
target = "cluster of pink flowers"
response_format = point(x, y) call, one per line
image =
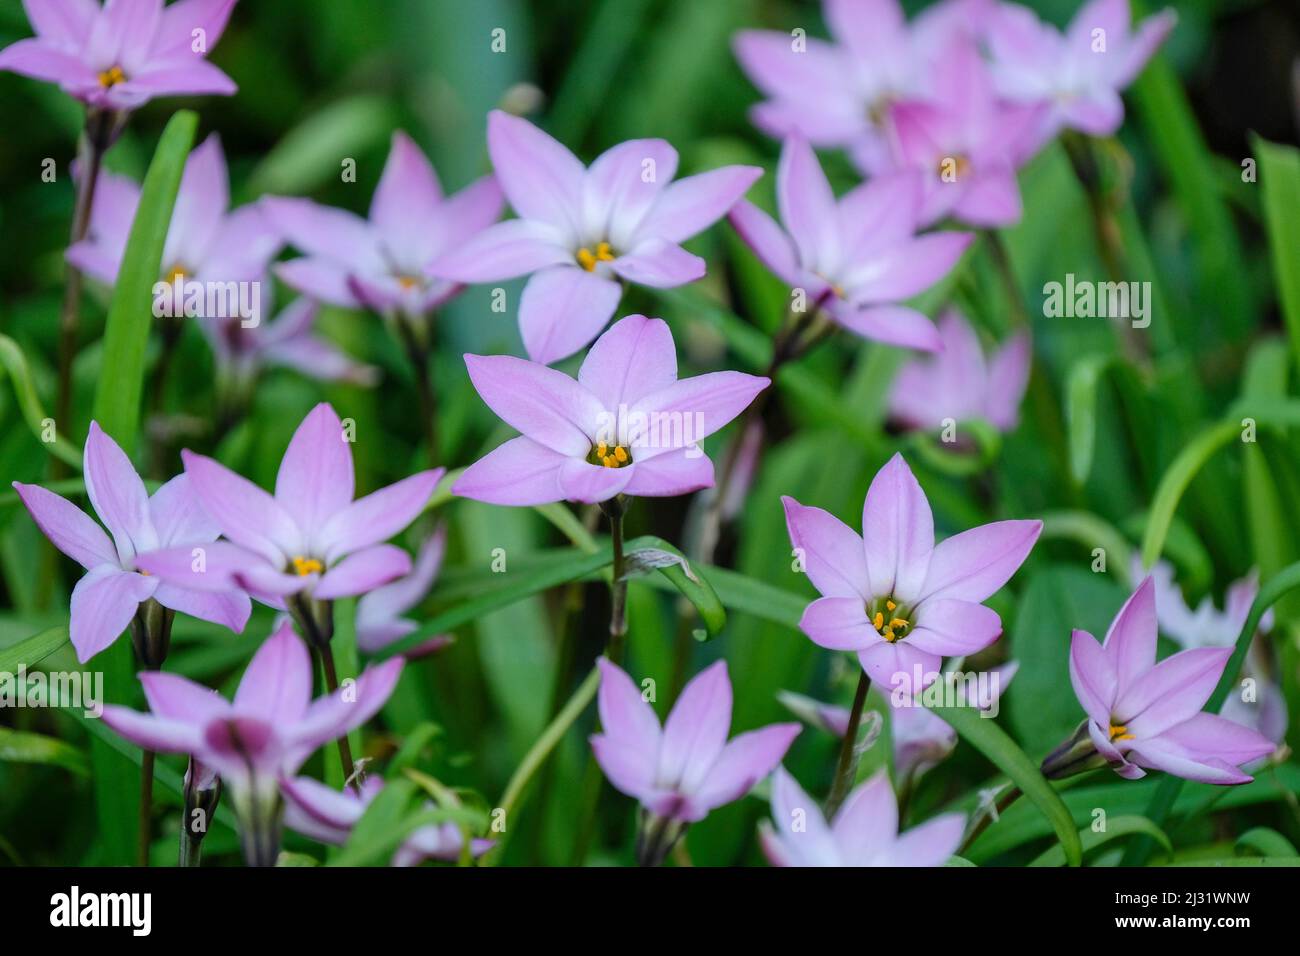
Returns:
point(939, 114)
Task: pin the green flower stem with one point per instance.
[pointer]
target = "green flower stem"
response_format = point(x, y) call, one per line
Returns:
point(846, 767)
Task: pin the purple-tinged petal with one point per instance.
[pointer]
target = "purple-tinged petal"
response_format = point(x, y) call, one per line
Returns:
point(905, 269)
point(591, 484)
point(659, 264)
point(990, 199)
point(952, 628)
point(540, 177)
point(616, 191)
point(666, 476)
point(173, 697)
point(833, 554)
point(381, 609)
point(627, 721)
point(175, 36)
point(694, 203)
point(807, 205)
point(41, 60)
point(117, 494)
point(408, 195)
point(177, 515)
point(839, 623)
point(519, 472)
point(69, 528)
point(900, 666)
point(363, 571)
point(379, 515)
point(1150, 33)
point(891, 324)
point(623, 767)
point(1008, 376)
point(319, 812)
point(103, 603)
point(504, 251)
point(562, 309)
point(813, 74)
point(898, 530)
point(66, 23)
point(1131, 641)
point(632, 359)
point(768, 241)
point(800, 829)
point(245, 513)
point(866, 825)
point(931, 844)
point(467, 213)
point(329, 718)
point(276, 686)
point(540, 402)
point(211, 567)
point(316, 479)
point(152, 733)
point(319, 278)
point(744, 761)
point(324, 231)
point(201, 204)
point(696, 730)
point(1172, 691)
point(973, 565)
point(1203, 735)
point(195, 78)
point(230, 609)
point(704, 404)
point(1092, 674)
point(878, 214)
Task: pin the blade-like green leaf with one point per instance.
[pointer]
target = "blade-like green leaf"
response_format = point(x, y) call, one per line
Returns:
point(31, 651)
point(1116, 827)
point(21, 747)
point(14, 362)
point(1279, 174)
point(1264, 841)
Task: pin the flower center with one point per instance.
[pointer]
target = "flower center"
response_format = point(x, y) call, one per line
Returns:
point(177, 273)
point(611, 456)
point(890, 621)
point(111, 77)
point(304, 566)
point(409, 282)
point(588, 259)
point(1119, 732)
point(953, 168)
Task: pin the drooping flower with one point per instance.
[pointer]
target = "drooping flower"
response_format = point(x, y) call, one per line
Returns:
point(287, 341)
point(959, 383)
point(1207, 626)
point(379, 613)
point(900, 601)
point(857, 258)
point(628, 425)
point(125, 53)
point(863, 833)
point(582, 230)
point(106, 599)
point(328, 816)
point(838, 93)
point(1078, 74)
point(381, 263)
point(686, 768)
point(308, 538)
point(207, 241)
point(266, 733)
point(964, 142)
point(1143, 714)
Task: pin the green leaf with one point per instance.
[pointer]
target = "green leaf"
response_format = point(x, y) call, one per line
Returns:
point(1175, 481)
point(1081, 410)
point(20, 747)
point(1116, 827)
point(1091, 531)
point(695, 586)
point(308, 155)
point(14, 362)
point(1279, 175)
point(990, 740)
point(31, 651)
point(1267, 861)
point(388, 821)
point(117, 393)
point(1264, 841)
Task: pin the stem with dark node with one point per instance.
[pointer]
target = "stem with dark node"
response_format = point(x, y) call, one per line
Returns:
point(146, 807)
point(418, 353)
point(101, 129)
point(200, 805)
point(345, 747)
point(1004, 801)
point(847, 765)
point(318, 632)
point(614, 509)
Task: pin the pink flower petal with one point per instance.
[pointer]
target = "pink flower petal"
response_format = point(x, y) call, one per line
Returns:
point(973, 565)
point(696, 730)
point(519, 472)
point(540, 177)
point(69, 528)
point(316, 480)
point(564, 307)
point(807, 205)
point(276, 686)
point(540, 402)
point(833, 554)
point(103, 604)
point(692, 204)
point(117, 494)
point(744, 761)
point(768, 241)
point(898, 529)
point(504, 251)
point(704, 404)
point(952, 628)
point(379, 515)
point(666, 476)
point(1093, 677)
point(363, 571)
point(659, 264)
point(634, 357)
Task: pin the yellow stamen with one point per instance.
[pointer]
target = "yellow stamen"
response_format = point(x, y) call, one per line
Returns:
point(888, 635)
point(878, 621)
point(1119, 732)
point(408, 282)
point(111, 77)
point(620, 453)
point(610, 456)
point(588, 259)
point(890, 605)
point(900, 622)
point(305, 566)
point(176, 274)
